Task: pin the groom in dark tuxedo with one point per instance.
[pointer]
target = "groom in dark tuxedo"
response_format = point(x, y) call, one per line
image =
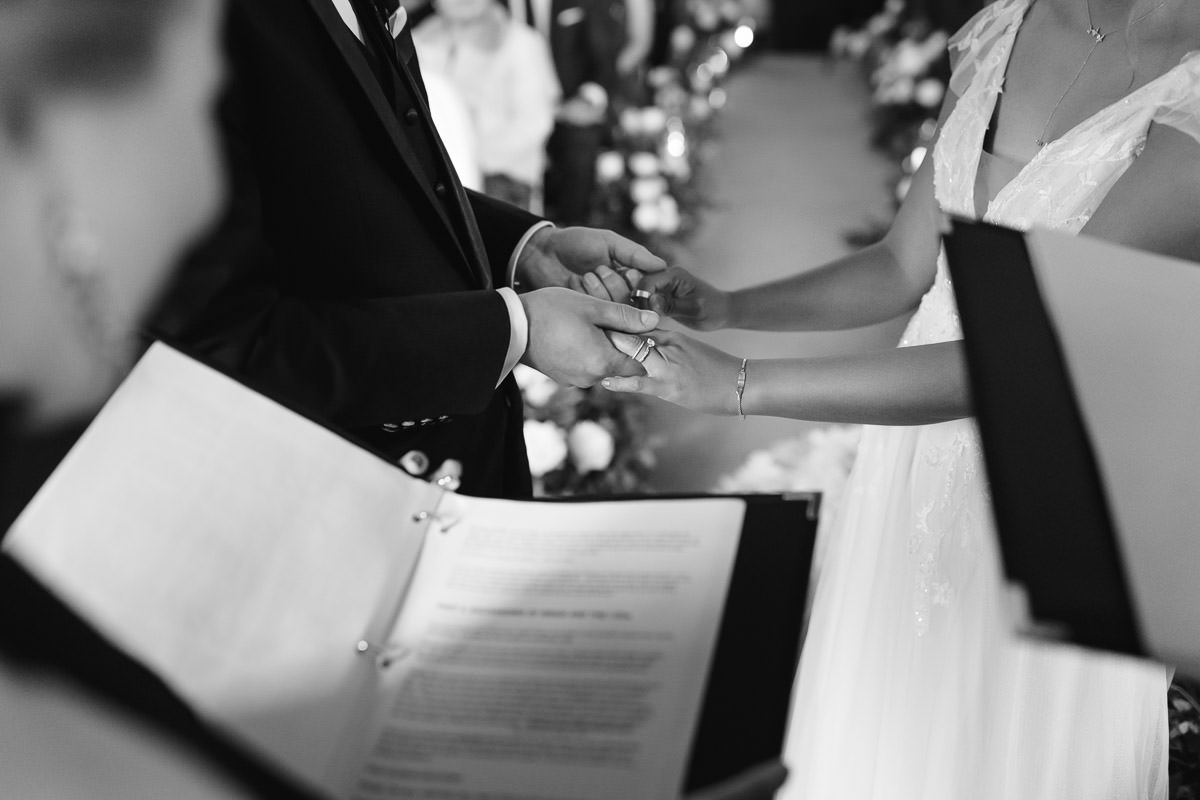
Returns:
point(354, 277)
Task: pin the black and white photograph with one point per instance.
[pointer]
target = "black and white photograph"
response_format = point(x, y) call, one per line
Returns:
point(599, 399)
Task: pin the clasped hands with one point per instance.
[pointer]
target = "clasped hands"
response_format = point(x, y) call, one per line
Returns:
point(582, 330)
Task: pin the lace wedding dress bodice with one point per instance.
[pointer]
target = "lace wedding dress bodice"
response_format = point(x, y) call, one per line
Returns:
point(1067, 180)
point(1060, 188)
point(912, 684)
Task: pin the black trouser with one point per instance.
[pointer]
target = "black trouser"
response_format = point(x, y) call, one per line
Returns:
point(571, 176)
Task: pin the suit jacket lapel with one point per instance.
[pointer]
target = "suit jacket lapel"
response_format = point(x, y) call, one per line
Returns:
point(407, 52)
point(344, 40)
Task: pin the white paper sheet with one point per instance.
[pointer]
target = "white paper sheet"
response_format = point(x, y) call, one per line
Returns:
point(238, 549)
point(1129, 323)
point(553, 650)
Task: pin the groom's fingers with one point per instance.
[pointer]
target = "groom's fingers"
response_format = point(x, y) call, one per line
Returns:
point(630, 255)
point(621, 317)
point(625, 342)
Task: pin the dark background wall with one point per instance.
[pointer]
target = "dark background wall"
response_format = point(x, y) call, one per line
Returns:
point(807, 24)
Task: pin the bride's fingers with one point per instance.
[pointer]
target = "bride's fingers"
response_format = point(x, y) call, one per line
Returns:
point(595, 287)
point(614, 283)
point(640, 385)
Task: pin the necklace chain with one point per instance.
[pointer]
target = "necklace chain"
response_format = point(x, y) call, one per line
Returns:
point(1097, 37)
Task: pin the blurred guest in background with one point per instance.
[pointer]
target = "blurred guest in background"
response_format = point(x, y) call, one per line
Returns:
point(584, 41)
point(639, 21)
point(110, 166)
point(503, 73)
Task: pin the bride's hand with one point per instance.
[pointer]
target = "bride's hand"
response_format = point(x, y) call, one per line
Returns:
point(678, 294)
point(682, 371)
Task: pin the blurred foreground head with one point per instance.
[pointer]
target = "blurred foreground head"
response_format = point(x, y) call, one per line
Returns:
point(108, 167)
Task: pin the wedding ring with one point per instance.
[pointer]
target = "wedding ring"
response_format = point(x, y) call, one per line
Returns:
point(640, 299)
point(644, 349)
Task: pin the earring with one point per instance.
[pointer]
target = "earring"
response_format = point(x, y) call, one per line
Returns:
point(76, 259)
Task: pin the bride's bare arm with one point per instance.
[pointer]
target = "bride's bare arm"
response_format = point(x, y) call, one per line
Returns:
point(877, 283)
point(902, 386)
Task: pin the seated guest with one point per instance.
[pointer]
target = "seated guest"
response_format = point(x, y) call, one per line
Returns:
point(504, 75)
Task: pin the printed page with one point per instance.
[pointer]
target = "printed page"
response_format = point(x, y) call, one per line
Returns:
point(238, 549)
point(552, 650)
point(1129, 324)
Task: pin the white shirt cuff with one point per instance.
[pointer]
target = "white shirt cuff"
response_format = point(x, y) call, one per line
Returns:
point(520, 248)
point(518, 339)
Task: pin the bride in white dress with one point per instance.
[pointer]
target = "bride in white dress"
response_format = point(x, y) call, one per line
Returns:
point(911, 684)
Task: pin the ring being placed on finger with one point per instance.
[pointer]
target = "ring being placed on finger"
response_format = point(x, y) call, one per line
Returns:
point(640, 299)
point(644, 349)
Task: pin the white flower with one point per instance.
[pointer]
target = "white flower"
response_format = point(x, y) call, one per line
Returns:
point(683, 38)
point(706, 18)
point(661, 76)
point(677, 166)
point(668, 210)
point(591, 446)
point(547, 446)
point(610, 166)
point(838, 41)
point(936, 44)
point(908, 58)
point(857, 44)
point(643, 164)
point(881, 23)
point(536, 388)
point(929, 92)
point(654, 120)
point(647, 218)
point(631, 121)
point(646, 190)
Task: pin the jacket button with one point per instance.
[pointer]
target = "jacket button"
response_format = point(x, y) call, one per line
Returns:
point(440, 189)
point(411, 116)
point(415, 463)
point(390, 427)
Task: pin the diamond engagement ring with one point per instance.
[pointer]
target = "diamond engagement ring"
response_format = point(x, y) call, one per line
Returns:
point(644, 349)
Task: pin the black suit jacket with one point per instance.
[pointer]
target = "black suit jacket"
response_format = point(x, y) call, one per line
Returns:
point(352, 275)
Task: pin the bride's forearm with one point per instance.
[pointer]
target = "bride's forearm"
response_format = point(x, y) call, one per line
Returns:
point(905, 386)
point(863, 288)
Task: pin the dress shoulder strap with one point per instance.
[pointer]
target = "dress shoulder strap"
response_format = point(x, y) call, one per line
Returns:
point(1178, 104)
point(973, 43)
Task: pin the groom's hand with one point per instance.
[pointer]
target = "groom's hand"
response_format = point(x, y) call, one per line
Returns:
point(567, 338)
point(569, 256)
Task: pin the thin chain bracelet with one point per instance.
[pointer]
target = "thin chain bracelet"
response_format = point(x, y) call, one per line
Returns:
point(741, 387)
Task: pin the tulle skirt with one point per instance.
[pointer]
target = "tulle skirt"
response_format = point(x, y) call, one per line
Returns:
point(911, 684)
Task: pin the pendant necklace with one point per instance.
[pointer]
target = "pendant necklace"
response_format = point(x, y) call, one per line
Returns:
point(1097, 37)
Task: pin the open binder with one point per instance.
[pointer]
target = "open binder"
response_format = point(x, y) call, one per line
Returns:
point(1086, 384)
point(377, 636)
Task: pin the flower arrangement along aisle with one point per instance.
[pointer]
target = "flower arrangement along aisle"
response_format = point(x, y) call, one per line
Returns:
point(584, 441)
point(591, 441)
point(904, 60)
point(649, 186)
